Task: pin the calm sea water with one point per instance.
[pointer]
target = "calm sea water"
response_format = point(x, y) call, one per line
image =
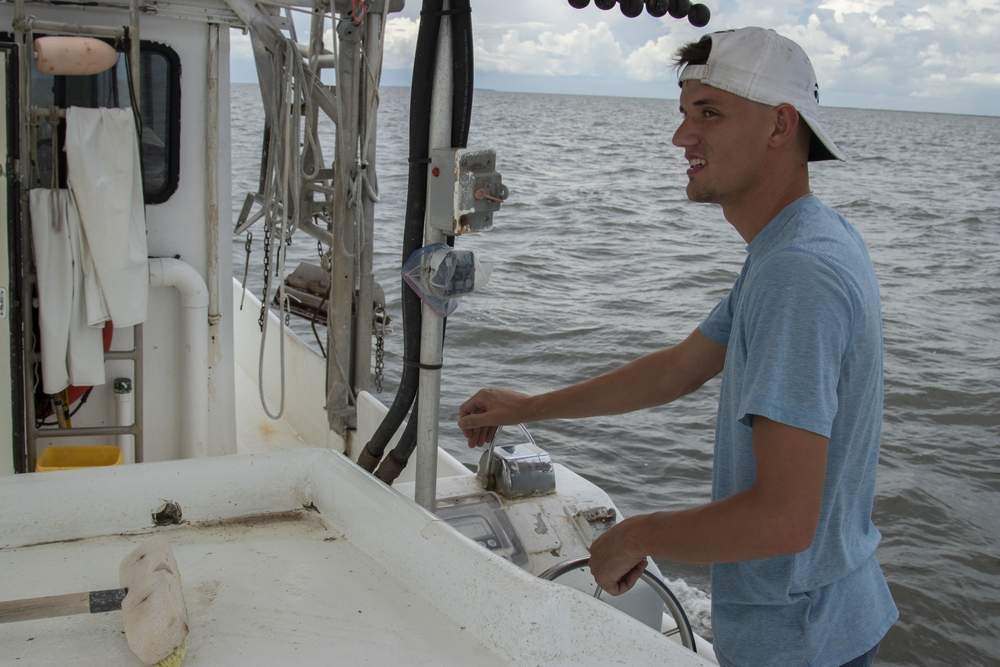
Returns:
point(599, 258)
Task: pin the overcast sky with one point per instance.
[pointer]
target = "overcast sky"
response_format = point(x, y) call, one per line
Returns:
point(922, 55)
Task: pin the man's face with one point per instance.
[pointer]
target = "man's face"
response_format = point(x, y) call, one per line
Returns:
point(724, 138)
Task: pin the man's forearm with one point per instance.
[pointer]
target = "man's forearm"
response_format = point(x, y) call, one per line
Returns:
point(654, 379)
point(741, 527)
point(777, 515)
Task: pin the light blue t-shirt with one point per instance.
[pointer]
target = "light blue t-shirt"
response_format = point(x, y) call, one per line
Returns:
point(803, 334)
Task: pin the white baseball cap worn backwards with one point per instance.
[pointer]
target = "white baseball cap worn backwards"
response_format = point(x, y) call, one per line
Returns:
point(760, 65)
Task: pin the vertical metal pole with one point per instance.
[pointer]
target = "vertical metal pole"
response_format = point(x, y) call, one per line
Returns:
point(212, 257)
point(211, 180)
point(370, 75)
point(140, 455)
point(432, 330)
point(135, 53)
point(340, 329)
point(135, 62)
point(24, 59)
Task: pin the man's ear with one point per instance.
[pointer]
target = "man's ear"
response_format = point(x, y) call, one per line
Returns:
point(786, 125)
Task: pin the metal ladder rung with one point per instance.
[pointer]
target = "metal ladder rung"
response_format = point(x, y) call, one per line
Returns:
point(86, 431)
point(110, 355)
point(121, 355)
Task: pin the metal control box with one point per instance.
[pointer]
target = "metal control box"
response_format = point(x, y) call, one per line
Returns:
point(465, 190)
point(517, 470)
point(523, 470)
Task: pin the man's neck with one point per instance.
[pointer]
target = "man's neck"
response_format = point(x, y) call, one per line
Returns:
point(751, 212)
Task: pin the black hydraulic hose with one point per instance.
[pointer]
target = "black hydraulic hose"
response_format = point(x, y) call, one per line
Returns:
point(421, 90)
point(461, 114)
point(462, 72)
point(393, 464)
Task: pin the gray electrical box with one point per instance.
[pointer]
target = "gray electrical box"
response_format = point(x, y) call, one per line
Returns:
point(465, 190)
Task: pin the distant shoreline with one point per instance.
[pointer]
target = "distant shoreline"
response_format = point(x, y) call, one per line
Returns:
point(674, 99)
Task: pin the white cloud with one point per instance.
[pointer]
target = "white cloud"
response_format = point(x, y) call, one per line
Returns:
point(583, 49)
point(400, 43)
point(653, 61)
point(983, 79)
point(932, 56)
point(841, 8)
point(917, 22)
point(239, 45)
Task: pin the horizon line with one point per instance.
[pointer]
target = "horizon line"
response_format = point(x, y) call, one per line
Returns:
point(657, 97)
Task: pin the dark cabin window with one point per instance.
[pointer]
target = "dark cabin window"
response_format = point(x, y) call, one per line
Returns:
point(160, 102)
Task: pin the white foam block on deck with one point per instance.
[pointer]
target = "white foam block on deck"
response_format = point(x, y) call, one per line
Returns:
point(276, 591)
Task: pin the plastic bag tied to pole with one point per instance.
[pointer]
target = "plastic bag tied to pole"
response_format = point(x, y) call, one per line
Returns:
point(439, 275)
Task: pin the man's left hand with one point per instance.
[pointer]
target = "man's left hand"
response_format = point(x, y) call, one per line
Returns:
point(615, 560)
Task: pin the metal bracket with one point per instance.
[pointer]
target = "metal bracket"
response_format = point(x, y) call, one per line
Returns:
point(465, 190)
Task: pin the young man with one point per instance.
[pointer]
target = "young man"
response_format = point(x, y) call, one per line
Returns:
point(798, 340)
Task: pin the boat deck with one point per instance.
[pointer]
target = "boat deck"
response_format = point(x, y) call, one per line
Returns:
point(255, 431)
point(273, 589)
point(293, 557)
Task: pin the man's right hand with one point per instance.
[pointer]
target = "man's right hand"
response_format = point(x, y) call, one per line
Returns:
point(488, 409)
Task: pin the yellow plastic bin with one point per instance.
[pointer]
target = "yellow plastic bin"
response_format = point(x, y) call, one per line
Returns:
point(78, 456)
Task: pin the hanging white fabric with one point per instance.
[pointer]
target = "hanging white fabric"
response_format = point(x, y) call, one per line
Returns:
point(102, 155)
point(72, 352)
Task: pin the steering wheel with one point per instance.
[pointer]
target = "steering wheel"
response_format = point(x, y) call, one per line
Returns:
point(654, 582)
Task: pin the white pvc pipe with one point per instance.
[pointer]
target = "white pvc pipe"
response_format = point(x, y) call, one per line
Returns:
point(169, 272)
point(124, 416)
point(211, 176)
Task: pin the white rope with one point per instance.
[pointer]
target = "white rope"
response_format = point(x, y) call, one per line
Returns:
point(286, 171)
point(311, 137)
point(285, 129)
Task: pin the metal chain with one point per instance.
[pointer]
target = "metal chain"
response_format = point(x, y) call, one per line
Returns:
point(248, 246)
point(380, 317)
point(267, 274)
